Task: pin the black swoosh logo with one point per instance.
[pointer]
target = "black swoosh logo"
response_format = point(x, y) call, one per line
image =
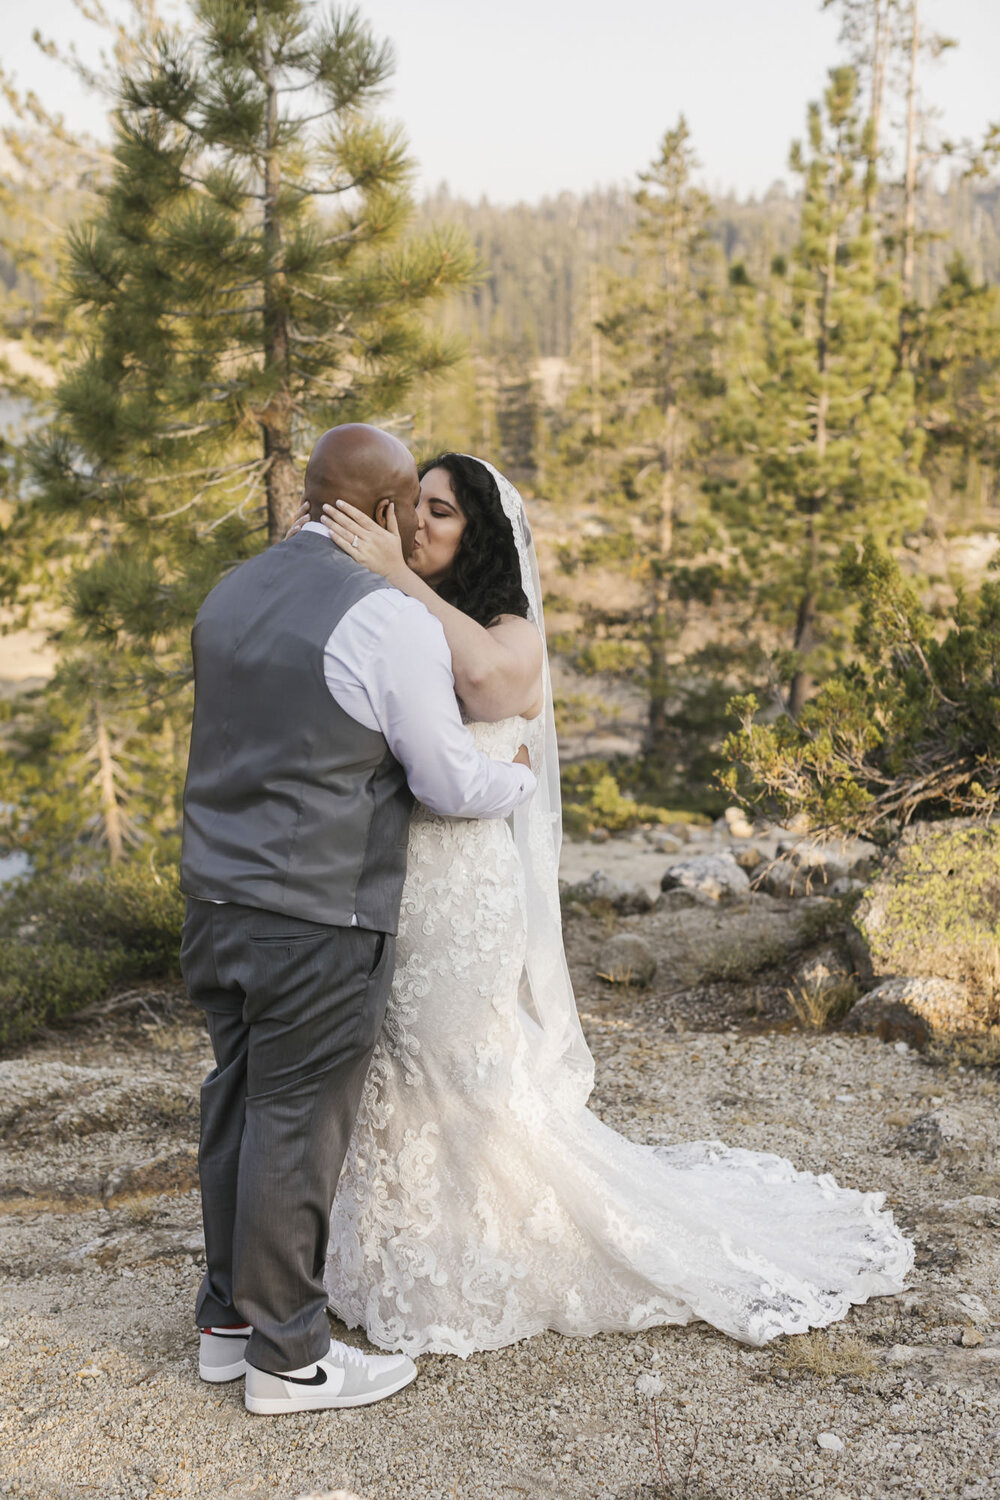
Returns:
point(319, 1378)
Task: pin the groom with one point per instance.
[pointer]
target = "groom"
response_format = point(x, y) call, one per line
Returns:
point(324, 699)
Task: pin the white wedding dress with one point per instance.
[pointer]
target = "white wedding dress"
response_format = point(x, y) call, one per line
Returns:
point(479, 1204)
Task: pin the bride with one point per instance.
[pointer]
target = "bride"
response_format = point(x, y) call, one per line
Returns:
point(481, 1201)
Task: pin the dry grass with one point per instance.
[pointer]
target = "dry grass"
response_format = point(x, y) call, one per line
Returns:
point(979, 1049)
point(819, 1005)
point(823, 1357)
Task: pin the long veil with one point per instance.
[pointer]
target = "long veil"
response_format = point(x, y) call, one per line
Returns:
point(557, 1049)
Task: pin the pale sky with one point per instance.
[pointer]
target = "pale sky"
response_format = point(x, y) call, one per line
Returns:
point(518, 99)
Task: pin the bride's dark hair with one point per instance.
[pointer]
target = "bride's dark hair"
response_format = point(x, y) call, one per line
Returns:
point(485, 579)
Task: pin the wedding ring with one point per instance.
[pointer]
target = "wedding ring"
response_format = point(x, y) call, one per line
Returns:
point(355, 540)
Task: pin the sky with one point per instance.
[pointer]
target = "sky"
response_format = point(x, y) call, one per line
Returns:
point(523, 99)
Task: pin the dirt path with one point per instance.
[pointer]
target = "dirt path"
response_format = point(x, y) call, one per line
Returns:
point(100, 1246)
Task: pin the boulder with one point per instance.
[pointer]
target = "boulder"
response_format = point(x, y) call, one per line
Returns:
point(715, 875)
point(626, 898)
point(666, 843)
point(826, 968)
point(914, 1010)
point(748, 857)
point(783, 877)
point(681, 898)
point(931, 1135)
point(934, 910)
point(626, 959)
point(679, 831)
point(976, 1210)
point(737, 823)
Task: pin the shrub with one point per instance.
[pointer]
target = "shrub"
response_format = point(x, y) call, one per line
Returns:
point(65, 942)
point(593, 798)
point(908, 731)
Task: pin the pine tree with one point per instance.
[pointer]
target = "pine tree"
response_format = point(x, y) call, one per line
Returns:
point(957, 373)
point(246, 280)
point(819, 407)
point(636, 442)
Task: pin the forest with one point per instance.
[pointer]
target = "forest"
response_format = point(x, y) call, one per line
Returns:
point(758, 440)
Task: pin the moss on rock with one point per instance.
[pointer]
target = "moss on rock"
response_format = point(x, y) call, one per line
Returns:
point(934, 909)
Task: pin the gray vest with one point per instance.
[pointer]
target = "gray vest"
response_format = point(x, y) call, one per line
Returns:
point(290, 804)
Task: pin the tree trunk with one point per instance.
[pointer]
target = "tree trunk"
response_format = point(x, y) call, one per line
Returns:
point(656, 725)
point(880, 43)
point(111, 815)
point(910, 177)
point(595, 355)
point(801, 685)
point(281, 481)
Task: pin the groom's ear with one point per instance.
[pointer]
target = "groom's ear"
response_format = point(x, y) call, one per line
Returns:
point(381, 513)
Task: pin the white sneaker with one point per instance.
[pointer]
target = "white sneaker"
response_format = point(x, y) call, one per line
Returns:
point(343, 1377)
point(222, 1354)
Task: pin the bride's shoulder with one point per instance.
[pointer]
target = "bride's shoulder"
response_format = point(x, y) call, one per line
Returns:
point(518, 634)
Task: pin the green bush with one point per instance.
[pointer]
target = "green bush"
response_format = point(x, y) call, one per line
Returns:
point(66, 943)
point(908, 731)
point(593, 798)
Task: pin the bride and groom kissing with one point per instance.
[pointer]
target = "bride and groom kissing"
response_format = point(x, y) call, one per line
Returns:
point(396, 1127)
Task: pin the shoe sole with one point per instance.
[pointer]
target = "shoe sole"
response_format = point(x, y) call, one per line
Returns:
point(220, 1374)
point(273, 1406)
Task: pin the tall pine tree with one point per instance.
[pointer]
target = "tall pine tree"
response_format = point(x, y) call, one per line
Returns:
point(246, 280)
point(635, 448)
point(820, 409)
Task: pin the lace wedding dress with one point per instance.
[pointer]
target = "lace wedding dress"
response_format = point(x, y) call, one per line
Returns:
point(478, 1204)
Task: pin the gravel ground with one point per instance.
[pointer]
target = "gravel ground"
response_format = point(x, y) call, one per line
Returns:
point(100, 1248)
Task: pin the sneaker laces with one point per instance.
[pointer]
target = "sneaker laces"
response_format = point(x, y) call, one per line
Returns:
point(354, 1356)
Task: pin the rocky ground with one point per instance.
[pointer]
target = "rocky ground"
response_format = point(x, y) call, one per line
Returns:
point(100, 1247)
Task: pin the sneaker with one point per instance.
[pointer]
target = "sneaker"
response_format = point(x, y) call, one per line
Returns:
point(222, 1353)
point(343, 1377)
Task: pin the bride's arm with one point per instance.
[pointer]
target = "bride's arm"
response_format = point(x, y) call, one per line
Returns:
point(498, 670)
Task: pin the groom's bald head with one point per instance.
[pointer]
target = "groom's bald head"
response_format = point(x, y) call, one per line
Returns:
point(364, 466)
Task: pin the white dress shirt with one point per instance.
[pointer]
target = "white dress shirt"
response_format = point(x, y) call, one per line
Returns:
point(387, 664)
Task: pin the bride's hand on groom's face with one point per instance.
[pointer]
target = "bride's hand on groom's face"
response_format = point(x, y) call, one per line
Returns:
point(376, 547)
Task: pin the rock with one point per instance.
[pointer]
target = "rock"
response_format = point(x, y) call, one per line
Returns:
point(970, 1338)
point(783, 877)
point(599, 835)
point(932, 1135)
point(666, 843)
point(934, 910)
point(826, 968)
point(977, 1211)
point(936, 1307)
point(625, 898)
point(902, 1354)
point(846, 885)
point(824, 862)
point(162, 1175)
point(681, 898)
point(715, 875)
point(626, 959)
point(830, 1442)
point(737, 823)
point(913, 1010)
point(748, 857)
point(679, 831)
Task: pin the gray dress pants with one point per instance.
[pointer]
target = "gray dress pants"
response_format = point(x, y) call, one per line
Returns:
point(293, 1011)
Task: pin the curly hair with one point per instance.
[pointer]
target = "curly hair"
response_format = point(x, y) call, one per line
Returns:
point(485, 580)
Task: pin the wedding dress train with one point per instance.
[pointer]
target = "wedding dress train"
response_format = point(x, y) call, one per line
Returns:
point(477, 1207)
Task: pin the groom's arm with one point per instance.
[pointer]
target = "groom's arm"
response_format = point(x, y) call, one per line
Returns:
point(388, 665)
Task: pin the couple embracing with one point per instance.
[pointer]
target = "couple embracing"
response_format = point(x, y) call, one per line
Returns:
point(396, 1127)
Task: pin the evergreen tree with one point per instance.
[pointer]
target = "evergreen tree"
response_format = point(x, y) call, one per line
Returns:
point(957, 372)
point(245, 281)
point(819, 408)
point(636, 444)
